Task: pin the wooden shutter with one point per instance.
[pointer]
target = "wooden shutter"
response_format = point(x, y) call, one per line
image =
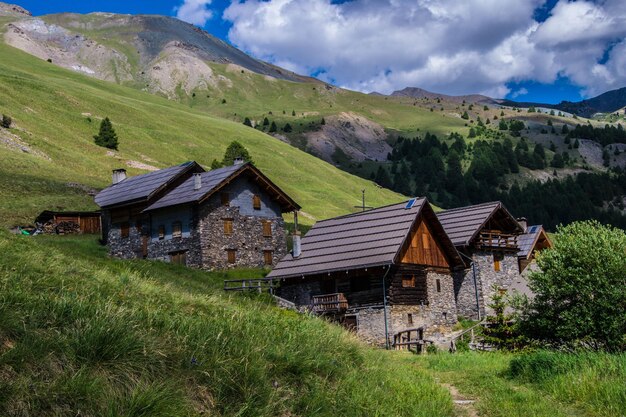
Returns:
point(228, 227)
point(124, 230)
point(179, 258)
point(225, 199)
point(177, 229)
point(231, 256)
point(497, 258)
point(267, 228)
point(268, 257)
point(256, 202)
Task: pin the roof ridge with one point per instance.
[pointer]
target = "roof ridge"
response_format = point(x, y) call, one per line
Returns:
point(359, 213)
point(469, 207)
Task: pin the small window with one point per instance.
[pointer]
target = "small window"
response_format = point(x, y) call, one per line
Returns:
point(228, 227)
point(225, 197)
point(409, 319)
point(497, 259)
point(256, 202)
point(267, 228)
point(425, 241)
point(177, 229)
point(161, 232)
point(438, 284)
point(408, 281)
point(231, 256)
point(268, 257)
point(124, 230)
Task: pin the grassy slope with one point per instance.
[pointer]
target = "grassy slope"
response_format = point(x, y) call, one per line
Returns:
point(542, 384)
point(46, 103)
point(79, 331)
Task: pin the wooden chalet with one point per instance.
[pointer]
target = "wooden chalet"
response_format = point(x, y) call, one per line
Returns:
point(382, 272)
point(534, 239)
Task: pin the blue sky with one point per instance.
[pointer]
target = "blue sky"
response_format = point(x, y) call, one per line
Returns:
point(535, 50)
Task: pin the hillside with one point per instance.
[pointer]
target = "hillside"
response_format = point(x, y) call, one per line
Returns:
point(49, 160)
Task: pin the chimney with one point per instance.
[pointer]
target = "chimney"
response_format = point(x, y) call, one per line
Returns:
point(297, 245)
point(119, 175)
point(523, 222)
point(238, 160)
point(197, 181)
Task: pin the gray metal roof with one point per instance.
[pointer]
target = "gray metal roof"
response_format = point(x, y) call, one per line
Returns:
point(139, 187)
point(355, 241)
point(185, 192)
point(526, 241)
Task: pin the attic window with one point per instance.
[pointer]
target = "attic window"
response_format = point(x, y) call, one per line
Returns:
point(225, 197)
point(267, 228)
point(177, 229)
point(408, 281)
point(256, 202)
point(161, 232)
point(228, 227)
point(124, 230)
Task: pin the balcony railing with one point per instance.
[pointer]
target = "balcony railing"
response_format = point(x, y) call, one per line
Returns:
point(329, 303)
point(495, 239)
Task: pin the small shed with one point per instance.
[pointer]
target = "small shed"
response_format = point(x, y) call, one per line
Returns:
point(88, 221)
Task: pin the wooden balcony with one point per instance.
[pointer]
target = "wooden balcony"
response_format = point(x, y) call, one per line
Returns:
point(494, 239)
point(329, 303)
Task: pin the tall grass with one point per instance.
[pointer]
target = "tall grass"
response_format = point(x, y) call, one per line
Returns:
point(80, 332)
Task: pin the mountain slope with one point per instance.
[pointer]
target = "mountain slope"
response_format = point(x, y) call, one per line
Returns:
point(49, 161)
point(415, 92)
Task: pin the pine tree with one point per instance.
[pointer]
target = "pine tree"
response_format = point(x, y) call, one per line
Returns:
point(565, 130)
point(216, 164)
point(293, 112)
point(323, 122)
point(472, 133)
point(502, 125)
point(382, 177)
point(287, 128)
point(465, 115)
point(273, 127)
point(576, 144)
point(266, 122)
point(106, 137)
point(235, 150)
point(247, 122)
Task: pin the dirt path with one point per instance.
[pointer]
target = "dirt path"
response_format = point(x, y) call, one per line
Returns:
point(463, 406)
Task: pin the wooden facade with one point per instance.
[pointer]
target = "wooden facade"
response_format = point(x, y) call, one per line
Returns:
point(88, 221)
point(421, 248)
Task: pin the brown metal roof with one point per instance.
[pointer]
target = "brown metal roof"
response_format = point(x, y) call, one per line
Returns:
point(356, 241)
point(464, 223)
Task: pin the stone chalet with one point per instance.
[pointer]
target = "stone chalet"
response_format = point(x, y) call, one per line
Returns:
point(221, 218)
point(384, 272)
point(496, 248)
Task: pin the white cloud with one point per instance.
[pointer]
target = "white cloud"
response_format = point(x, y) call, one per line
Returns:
point(196, 12)
point(521, 92)
point(446, 46)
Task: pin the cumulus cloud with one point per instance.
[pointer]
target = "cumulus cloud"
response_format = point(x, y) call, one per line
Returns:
point(196, 12)
point(446, 46)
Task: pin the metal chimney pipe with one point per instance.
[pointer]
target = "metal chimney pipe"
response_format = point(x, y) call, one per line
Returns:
point(297, 245)
point(119, 175)
point(197, 181)
point(238, 161)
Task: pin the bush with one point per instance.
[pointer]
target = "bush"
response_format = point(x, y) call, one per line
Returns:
point(235, 150)
point(579, 290)
point(6, 121)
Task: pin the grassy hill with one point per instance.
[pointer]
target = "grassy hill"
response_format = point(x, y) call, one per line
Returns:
point(80, 331)
point(56, 112)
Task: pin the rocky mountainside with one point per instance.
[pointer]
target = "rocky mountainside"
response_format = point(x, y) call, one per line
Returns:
point(419, 93)
point(13, 10)
point(161, 54)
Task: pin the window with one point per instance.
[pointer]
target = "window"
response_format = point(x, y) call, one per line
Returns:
point(231, 256)
point(161, 232)
point(228, 227)
point(225, 199)
point(408, 281)
point(438, 284)
point(256, 202)
point(177, 229)
point(497, 259)
point(425, 241)
point(268, 257)
point(267, 228)
point(179, 257)
point(124, 230)
point(409, 319)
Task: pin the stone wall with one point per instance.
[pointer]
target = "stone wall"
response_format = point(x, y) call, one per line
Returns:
point(486, 279)
point(247, 235)
point(124, 247)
